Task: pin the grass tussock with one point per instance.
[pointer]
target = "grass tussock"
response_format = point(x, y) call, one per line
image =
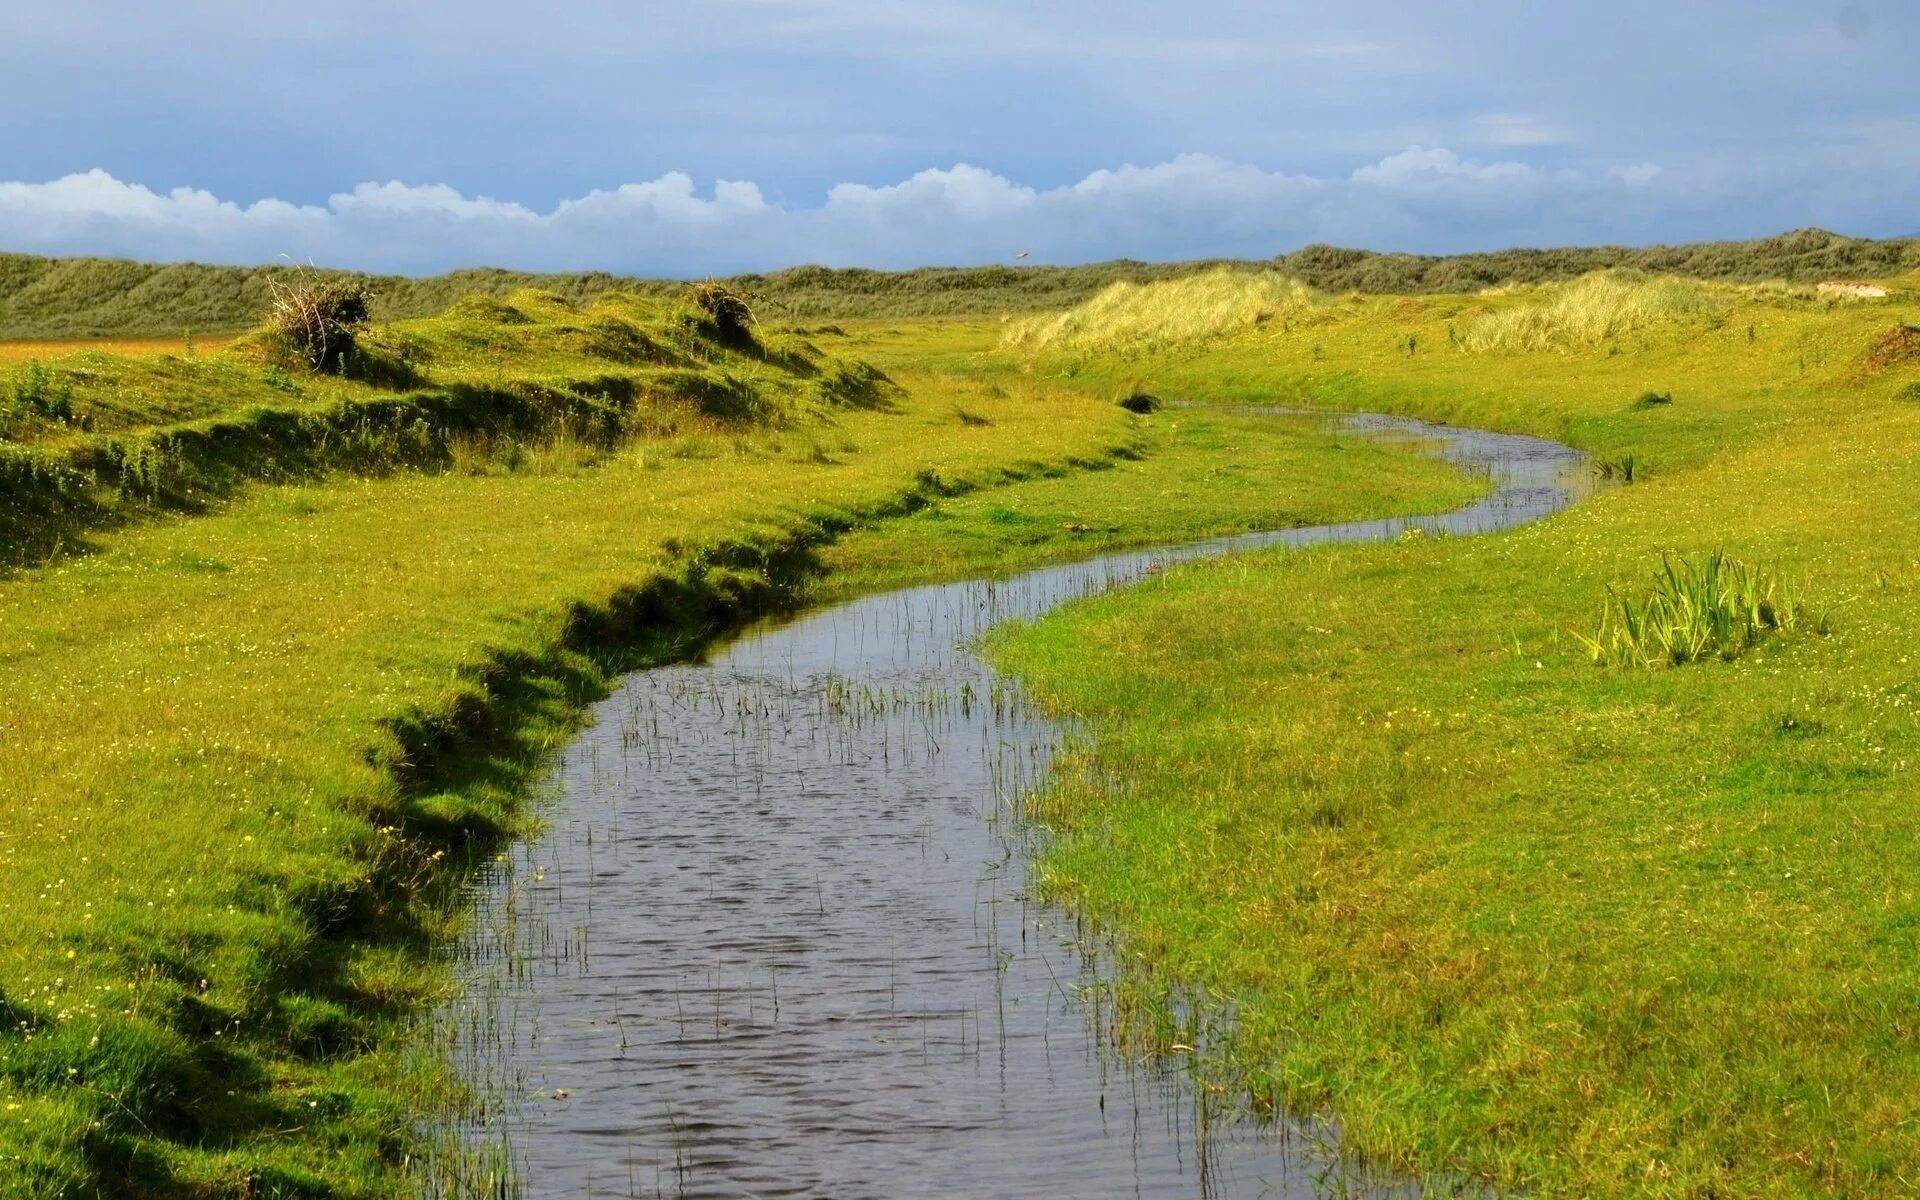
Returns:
point(1713, 606)
point(726, 308)
point(1590, 311)
point(319, 317)
point(1128, 317)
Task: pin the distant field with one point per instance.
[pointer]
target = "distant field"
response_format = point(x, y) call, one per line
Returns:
point(28, 349)
point(75, 297)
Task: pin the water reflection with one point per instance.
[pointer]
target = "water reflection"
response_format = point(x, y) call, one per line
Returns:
point(778, 942)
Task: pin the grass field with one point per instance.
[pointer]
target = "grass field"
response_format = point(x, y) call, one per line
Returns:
point(253, 747)
point(1573, 930)
point(1198, 474)
point(30, 349)
point(1567, 928)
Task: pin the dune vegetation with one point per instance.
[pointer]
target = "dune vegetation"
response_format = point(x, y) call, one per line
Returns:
point(95, 297)
point(1131, 319)
point(1594, 310)
point(1574, 859)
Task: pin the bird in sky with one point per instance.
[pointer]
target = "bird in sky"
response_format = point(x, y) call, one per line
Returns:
point(1022, 254)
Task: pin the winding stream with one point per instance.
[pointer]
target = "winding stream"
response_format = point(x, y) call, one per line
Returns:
point(776, 940)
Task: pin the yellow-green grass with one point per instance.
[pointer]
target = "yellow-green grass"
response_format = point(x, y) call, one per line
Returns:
point(248, 757)
point(1574, 930)
point(1760, 361)
point(233, 745)
point(1132, 318)
point(528, 339)
point(93, 439)
point(1199, 473)
point(30, 349)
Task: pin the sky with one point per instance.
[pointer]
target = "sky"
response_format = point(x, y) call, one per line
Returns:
point(715, 136)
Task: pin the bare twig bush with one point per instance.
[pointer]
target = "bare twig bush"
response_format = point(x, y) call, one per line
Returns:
point(726, 308)
point(318, 317)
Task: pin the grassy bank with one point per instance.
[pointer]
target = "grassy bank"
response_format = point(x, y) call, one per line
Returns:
point(255, 744)
point(237, 748)
point(91, 440)
point(1575, 930)
point(1196, 474)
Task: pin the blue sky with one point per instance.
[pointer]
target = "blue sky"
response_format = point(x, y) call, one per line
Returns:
point(721, 135)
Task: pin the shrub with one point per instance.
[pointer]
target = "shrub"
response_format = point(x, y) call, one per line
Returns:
point(1140, 402)
point(1894, 347)
point(38, 393)
point(726, 308)
point(319, 318)
point(1716, 605)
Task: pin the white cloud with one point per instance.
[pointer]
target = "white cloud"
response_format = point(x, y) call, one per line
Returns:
point(1517, 129)
point(1421, 165)
point(1190, 206)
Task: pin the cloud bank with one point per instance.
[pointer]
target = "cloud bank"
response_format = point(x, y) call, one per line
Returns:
point(1423, 198)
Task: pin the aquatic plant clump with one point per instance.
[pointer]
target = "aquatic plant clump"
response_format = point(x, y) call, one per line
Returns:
point(1712, 606)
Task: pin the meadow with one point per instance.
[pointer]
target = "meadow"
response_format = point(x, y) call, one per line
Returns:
point(1506, 907)
point(1504, 892)
point(263, 720)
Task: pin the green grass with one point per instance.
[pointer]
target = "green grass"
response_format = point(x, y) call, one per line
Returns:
point(1132, 319)
point(1698, 608)
point(1196, 474)
point(90, 297)
point(1593, 310)
point(254, 746)
point(90, 440)
point(1495, 907)
point(237, 745)
point(1570, 929)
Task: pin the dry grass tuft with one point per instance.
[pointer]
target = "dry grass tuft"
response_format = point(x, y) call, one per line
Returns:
point(1591, 310)
point(319, 317)
point(1894, 347)
point(1129, 317)
point(726, 308)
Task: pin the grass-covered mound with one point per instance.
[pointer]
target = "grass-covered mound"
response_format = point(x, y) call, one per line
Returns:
point(90, 438)
point(1592, 311)
point(1128, 318)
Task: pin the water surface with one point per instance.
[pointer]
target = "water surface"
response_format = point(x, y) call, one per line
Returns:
point(777, 939)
